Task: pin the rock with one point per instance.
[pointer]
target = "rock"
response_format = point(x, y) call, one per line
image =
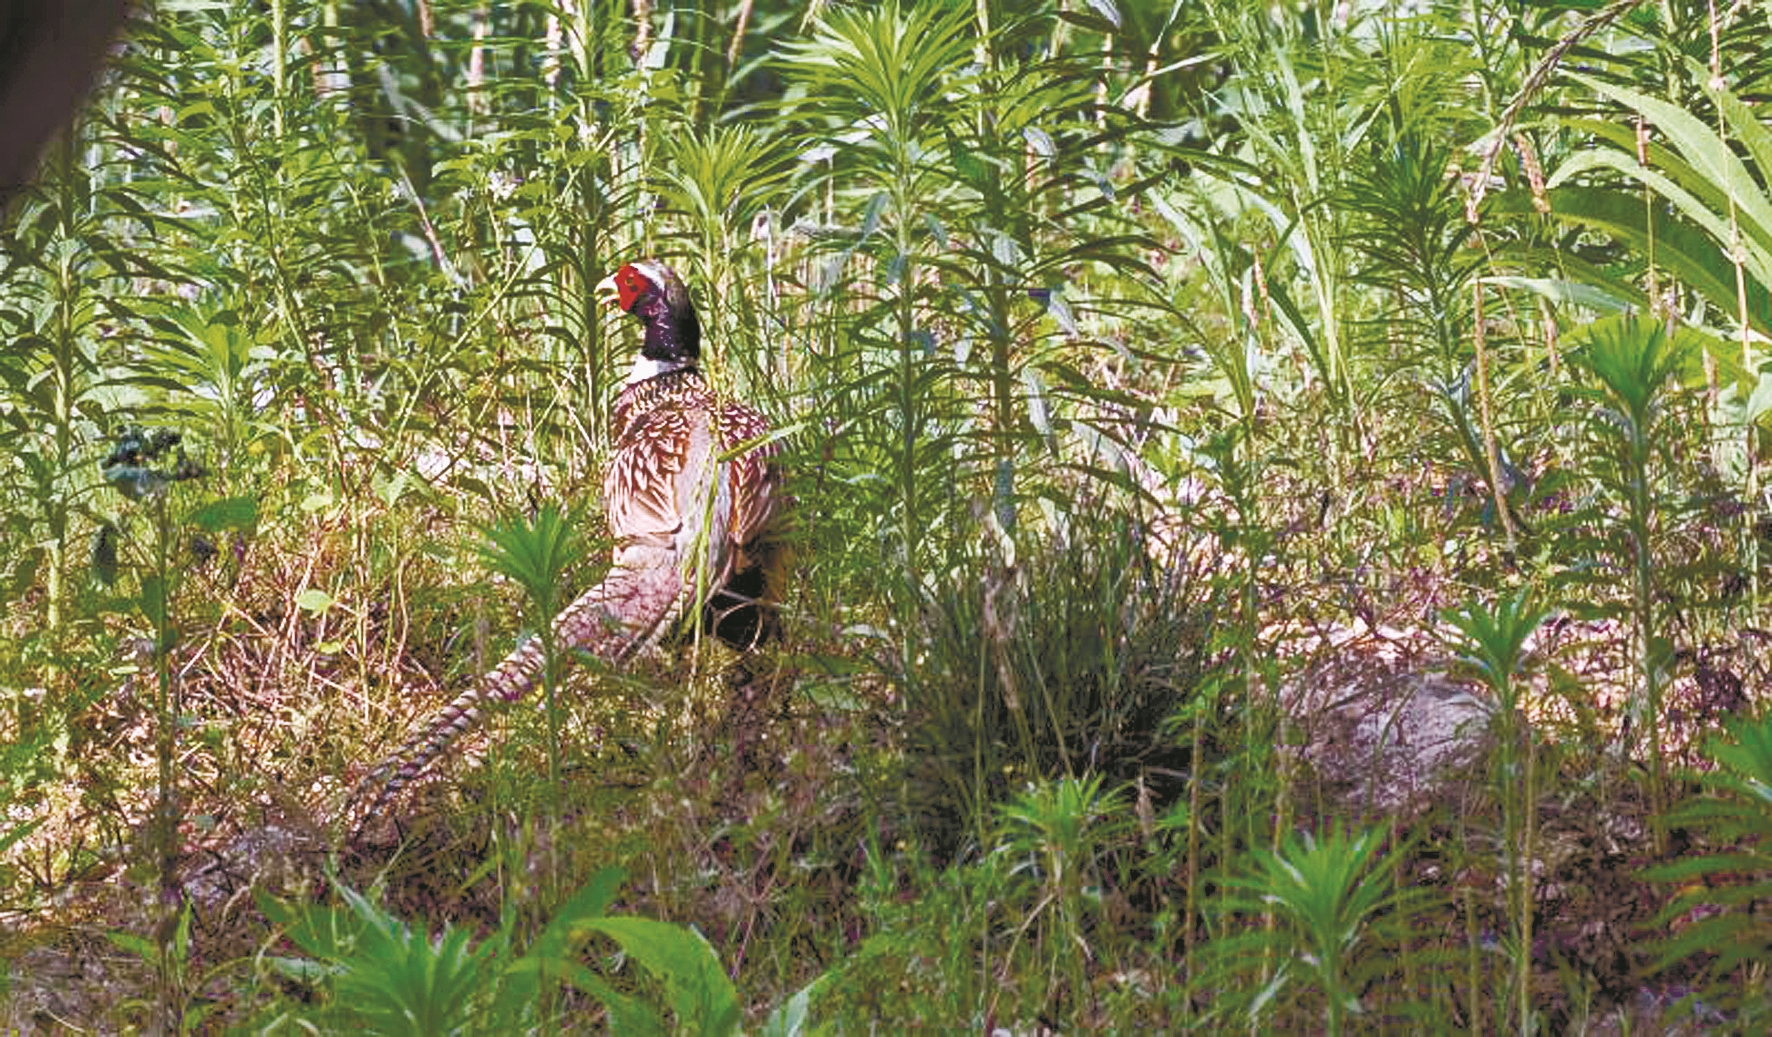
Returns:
point(1385, 738)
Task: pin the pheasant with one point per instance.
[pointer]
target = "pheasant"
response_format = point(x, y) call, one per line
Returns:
point(694, 503)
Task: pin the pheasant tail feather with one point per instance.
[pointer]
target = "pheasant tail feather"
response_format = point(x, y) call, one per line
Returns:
point(620, 616)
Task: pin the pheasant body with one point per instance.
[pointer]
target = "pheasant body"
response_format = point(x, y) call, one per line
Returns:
point(693, 501)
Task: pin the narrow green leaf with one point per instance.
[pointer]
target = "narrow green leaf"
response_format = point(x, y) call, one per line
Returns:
point(1108, 10)
point(1562, 292)
point(1699, 144)
point(153, 600)
point(140, 946)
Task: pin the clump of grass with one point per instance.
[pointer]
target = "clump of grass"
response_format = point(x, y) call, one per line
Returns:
point(1065, 664)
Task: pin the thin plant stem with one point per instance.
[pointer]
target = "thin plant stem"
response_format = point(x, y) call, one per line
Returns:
point(1497, 488)
point(167, 709)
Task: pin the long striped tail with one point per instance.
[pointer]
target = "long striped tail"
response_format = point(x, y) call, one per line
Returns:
point(630, 610)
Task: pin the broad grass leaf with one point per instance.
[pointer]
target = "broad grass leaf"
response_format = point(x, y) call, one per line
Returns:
point(697, 988)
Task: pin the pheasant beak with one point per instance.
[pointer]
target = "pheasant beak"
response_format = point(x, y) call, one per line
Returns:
point(607, 293)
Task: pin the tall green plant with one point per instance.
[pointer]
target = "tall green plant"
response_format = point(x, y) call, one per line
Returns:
point(1035, 203)
point(879, 75)
point(980, 212)
point(536, 555)
point(1317, 912)
point(144, 467)
point(726, 183)
point(66, 257)
point(1412, 242)
point(1631, 424)
point(1058, 833)
point(1717, 918)
point(209, 371)
point(1492, 645)
point(1296, 134)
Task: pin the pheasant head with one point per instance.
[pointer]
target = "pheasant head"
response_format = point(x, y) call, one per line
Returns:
point(652, 292)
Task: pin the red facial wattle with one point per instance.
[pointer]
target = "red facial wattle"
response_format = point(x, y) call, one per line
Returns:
point(630, 285)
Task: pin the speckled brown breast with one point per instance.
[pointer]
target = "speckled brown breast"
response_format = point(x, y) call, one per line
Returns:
point(667, 427)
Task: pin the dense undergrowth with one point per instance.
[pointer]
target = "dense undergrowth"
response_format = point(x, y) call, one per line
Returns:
point(1162, 385)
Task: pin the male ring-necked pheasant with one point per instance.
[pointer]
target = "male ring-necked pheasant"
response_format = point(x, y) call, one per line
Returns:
point(692, 514)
